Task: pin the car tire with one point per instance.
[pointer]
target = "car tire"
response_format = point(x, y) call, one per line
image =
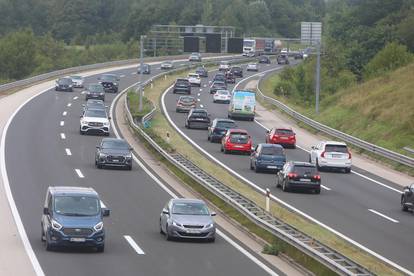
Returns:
point(167, 235)
point(212, 240)
point(317, 165)
point(251, 165)
point(100, 248)
point(285, 188)
point(256, 169)
point(225, 151)
point(404, 208)
point(277, 182)
point(42, 235)
point(81, 132)
point(318, 191)
point(161, 231)
point(347, 170)
point(99, 166)
point(48, 246)
point(129, 168)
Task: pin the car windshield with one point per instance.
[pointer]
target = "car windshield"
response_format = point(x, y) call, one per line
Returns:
point(236, 69)
point(65, 81)
point(187, 99)
point(281, 131)
point(225, 124)
point(224, 63)
point(100, 113)
point(200, 69)
point(167, 63)
point(97, 88)
point(115, 144)
point(108, 78)
point(76, 77)
point(240, 138)
point(272, 151)
point(305, 170)
point(182, 82)
point(190, 208)
point(336, 148)
point(223, 92)
point(73, 205)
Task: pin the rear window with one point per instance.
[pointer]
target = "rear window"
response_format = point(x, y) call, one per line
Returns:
point(336, 148)
point(284, 131)
point(187, 100)
point(240, 138)
point(305, 170)
point(182, 81)
point(226, 125)
point(272, 151)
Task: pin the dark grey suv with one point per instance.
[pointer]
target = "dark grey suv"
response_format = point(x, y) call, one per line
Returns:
point(407, 198)
point(113, 152)
point(95, 91)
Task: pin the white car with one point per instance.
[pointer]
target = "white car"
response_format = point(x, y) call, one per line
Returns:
point(195, 57)
point(224, 66)
point(167, 65)
point(252, 67)
point(194, 79)
point(95, 121)
point(331, 154)
point(222, 96)
point(77, 81)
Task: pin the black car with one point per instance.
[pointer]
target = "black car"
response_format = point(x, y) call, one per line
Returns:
point(237, 71)
point(93, 104)
point(113, 152)
point(146, 69)
point(202, 72)
point(220, 77)
point(182, 86)
point(407, 198)
point(95, 91)
point(300, 175)
point(298, 55)
point(217, 85)
point(264, 59)
point(64, 84)
point(267, 157)
point(197, 118)
point(230, 78)
point(109, 82)
point(282, 59)
point(218, 129)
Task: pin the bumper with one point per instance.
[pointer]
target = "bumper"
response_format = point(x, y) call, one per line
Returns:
point(241, 115)
point(58, 88)
point(58, 239)
point(105, 162)
point(111, 89)
point(221, 100)
point(79, 85)
point(252, 69)
point(183, 108)
point(198, 124)
point(95, 96)
point(241, 148)
point(184, 233)
point(330, 164)
point(181, 90)
point(304, 185)
point(284, 142)
point(216, 137)
point(97, 130)
point(269, 166)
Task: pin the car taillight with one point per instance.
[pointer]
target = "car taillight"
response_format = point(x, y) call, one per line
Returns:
point(317, 177)
point(292, 137)
point(292, 175)
point(349, 155)
point(275, 137)
point(323, 154)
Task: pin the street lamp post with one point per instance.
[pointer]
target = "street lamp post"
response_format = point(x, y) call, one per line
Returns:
point(318, 76)
point(141, 67)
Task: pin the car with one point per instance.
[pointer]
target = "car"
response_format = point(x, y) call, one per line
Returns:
point(93, 104)
point(73, 217)
point(267, 157)
point(264, 59)
point(230, 78)
point(284, 51)
point(219, 77)
point(407, 198)
point(187, 218)
point(195, 57)
point(217, 85)
point(77, 81)
point(94, 121)
point(194, 79)
point(300, 175)
point(109, 82)
point(252, 67)
point(182, 86)
point(331, 154)
point(222, 96)
point(146, 69)
point(113, 152)
point(237, 71)
point(202, 72)
point(167, 65)
point(298, 55)
point(283, 59)
point(236, 140)
point(197, 118)
point(281, 135)
point(95, 91)
point(224, 66)
point(185, 103)
point(64, 84)
point(218, 129)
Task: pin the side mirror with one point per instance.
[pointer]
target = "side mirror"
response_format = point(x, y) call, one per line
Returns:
point(109, 118)
point(130, 148)
point(98, 147)
point(165, 211)
point(313, 147)
point(45, 211)
point(81, 116)
point(213, 214)
point(106, 212)
point(267, 131)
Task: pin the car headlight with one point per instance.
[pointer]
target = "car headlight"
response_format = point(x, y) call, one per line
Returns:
point(115, 83)
point(98, 227)
point(56, 225)
point(83, 122)
point(209, 225)
point(177, 224)
point(101, 94)
point(106, 123)
point(102, 155)
point(129, 156)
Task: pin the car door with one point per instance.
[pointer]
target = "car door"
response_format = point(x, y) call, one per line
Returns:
point(255, 153)
point(164, 217)
point(409, 195)
point(46, 217)
point(314, 153)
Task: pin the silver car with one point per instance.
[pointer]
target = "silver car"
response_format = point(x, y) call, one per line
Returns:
point(187, 218)
point(77, 81)
point(252, 67)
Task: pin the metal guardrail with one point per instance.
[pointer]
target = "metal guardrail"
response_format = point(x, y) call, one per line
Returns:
point(324, 254)
point(410, 150)
point(395, 156)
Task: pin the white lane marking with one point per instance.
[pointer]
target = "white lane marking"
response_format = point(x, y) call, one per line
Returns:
point(133, 73)
point(198, 100)
point(75, 98)
point(326, 188)
point(202, 106)
point(63, 136)
point(79, 173)
point(103, 205)
point(122, 76)
point(69, 104)
point(64, 113)
point(384, 216)
point(198, 95)
point(62, 123)
point(134, 245)
point(68, 152)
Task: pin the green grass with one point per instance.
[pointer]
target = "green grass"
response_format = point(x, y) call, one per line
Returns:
point(133, 99)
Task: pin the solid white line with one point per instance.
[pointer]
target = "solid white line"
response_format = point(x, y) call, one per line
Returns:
point(62, 123)
point(64, 113)
point(134, 245)
point(75, 98)
point(326, 188)
point(69, 104)
point(63, 136)
point(68, 152)
point(79, 173)
point(384, 216)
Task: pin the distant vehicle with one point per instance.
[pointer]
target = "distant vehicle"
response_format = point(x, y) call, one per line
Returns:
point(264, 59)
point(331, 154)
point(252, 67)
point(146, 69)
point(249, 47)
point(282, 59)
point(64, 84)
point(224, 66)
point(202, 72)
point(242, 105)
point(237, 71)
point(219, 77)
point(197, 118)
point(298, 55)
point(167, 65)
point(282, 135)
point(187, 218)
point(95, 121)
point(222, 96)
point(95, 91)
point(219, 128)
point(195, 57)
point(113, 152)
point(230, 78)
point(93, 104)
point(284, 51)
point(258, 46)
point(300, 175)
point(236, 140)
point(185, 103)
point(109, 82)
point(77, 81)
point(217, 85)
point(73, 217)
point(182, 86)
point(407, 198)
point(269, 157)
point(194, 79)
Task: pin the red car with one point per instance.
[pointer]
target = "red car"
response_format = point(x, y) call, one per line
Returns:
point(236, 140)
point(283, 136)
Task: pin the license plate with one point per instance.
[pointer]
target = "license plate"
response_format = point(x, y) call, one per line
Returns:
point(115, 160)
point(271, 167)
point(193, 231)
point(283, 138)
point(336, 155)
point(305, 180)
point(77, 239)
point(199, 119)
point(239, 147)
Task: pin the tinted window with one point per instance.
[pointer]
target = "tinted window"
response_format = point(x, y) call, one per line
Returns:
point(100, 113)
point(108, 78)
point(76, 77)
point(336, 148)
point(182, 81)
point(284, 131)
point(272, 151)
point(187, 99)
point(187, 208)
point(65, 81)
point(305, 170)
point(96, 88)
point(115, 144)
point(225, 124)
point(240, 138)
point(90, 103)
point(76, 205)
point(199, 114)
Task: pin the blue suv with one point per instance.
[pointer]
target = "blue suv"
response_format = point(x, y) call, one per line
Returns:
point(269, 157)
point(73, 216)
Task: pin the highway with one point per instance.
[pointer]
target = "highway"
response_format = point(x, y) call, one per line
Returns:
point(43, 148)
point(356, 206)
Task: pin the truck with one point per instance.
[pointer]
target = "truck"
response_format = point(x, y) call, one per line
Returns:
point(260, 46)
point(242, 105)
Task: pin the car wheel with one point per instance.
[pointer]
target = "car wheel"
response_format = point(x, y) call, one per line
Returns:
point(256, 169)
point(294, 146)
point(129, 168)
point(310, 159)
point(285, 187)
point(221, 149)
point(81, 132)
point(403, 206)
point(99, 166)
point(251, 165)
point(318, 191)
point(167, 234)
point(317, 165)
point(43, 238)
point(225, 151)
point(48, 246)
point(213, 239)
point(100, 248)
point(347, 170)
point(161, 231)
point(277, 182)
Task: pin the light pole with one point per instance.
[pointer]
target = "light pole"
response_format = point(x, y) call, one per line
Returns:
point(141, 68)
point(318, 76)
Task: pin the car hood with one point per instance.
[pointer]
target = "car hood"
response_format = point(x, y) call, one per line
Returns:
point(118, 152)
point(80, 222)
point(192, 219)
point(96, 119)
